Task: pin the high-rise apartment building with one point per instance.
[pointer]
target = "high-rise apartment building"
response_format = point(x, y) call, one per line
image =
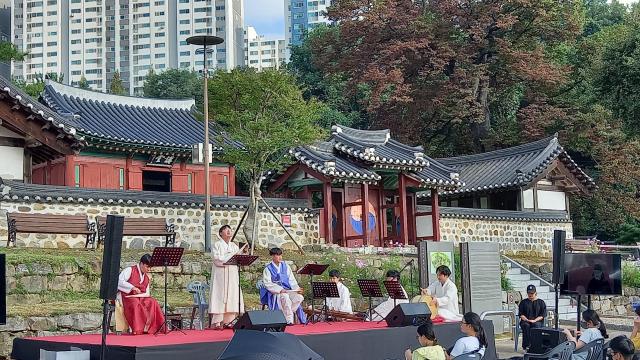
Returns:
point(5, 33)
point(96, 38)
point(261, 53)
point(302, 16)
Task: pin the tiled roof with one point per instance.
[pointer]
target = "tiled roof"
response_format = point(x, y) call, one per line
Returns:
point(321, 158)
point(16, 191)
point(42, 112)
point(506, 215)
point(437, 175)
point(138, 122)
point(512, 167)
point(377, 148)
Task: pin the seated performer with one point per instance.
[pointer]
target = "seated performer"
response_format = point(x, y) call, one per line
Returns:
point(445, 295)
point(281, 290)
point(343, 303)
point(142, 312)
point(384, 308)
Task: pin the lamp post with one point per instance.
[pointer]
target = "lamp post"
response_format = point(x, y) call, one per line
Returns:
point(204, 41)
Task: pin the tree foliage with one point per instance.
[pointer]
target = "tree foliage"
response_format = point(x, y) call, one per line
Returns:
point(36, 87)
point(116, 87)
point(174, 84)
point(266, 112)
point(9, 52)
point(83, 83)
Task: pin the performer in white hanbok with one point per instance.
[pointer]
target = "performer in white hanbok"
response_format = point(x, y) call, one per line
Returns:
point(445, 295)
point(343, 303)
point(384, 308)
point(223, 304)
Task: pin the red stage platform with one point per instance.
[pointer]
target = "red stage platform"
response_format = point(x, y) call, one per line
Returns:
point(338, 340)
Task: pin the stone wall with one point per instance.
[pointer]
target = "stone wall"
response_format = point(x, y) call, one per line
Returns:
point(514, 236)
point(188, 222)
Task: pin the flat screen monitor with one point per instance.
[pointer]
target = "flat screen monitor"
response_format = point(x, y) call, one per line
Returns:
point(592, 274)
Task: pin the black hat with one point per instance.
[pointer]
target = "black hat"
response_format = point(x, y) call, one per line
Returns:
point(531, 289)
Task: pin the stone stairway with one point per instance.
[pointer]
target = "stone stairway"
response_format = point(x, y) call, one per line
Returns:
point(520, 277)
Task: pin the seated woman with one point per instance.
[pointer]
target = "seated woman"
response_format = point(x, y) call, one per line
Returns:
point(621, 348)
point(474, 342)
point(430, 349)
point(595, 331)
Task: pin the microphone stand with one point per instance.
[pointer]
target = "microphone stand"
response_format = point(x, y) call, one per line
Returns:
point(410, 263)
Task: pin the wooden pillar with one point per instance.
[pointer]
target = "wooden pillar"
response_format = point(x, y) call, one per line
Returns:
point(69, 171)
point(402, 193)
point(127, 171)
point(435, 214)
point(326, 195)
point(382, 221)
point(365, 213)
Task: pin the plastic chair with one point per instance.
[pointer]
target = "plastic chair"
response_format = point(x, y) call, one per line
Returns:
point(592, 349)
point(560, 352)
point(200, 303)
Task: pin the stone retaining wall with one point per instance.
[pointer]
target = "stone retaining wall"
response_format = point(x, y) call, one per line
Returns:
point(513, 236)
point(188, 222)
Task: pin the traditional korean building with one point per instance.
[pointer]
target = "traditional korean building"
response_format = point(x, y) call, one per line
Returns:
point(534, 177)
point(358, 172)
point(31, 134)
point(406, 194)
point(132, 144)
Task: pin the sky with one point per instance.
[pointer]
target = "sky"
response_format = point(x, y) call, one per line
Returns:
point(267, 16)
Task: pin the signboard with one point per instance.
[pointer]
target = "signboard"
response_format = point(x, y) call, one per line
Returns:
point(286, 220)
point(432, 254)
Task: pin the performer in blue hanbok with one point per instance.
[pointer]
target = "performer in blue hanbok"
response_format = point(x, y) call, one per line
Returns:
point(280, 289)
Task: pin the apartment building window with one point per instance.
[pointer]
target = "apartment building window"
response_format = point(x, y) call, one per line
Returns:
point(185, 32)
point(219, 29)
point(183, 42)
point(52, 13)
point(184, 11)
point(253, 53)
point(52, 64)
point(94, 71)
point(76, 11)
point(160, 45)
point(52, 23)
point(75, 52)
point(160, 66)
point(253, 44)
point(185, 64)
point(252, 62)
point(184, 22)
point(298, 4)
point(76, 31)
point(52, 2)
point(76, 62)
point(185, 53)
point(220, 7)
point(36, 45)
point(52, 53)
point(184, 1)
point(266, 52)
point(53, 33)
point(160, 56)
point(159, 3)
point(76, 72)
point(160, 34)
point(220, 18)
point(159, 24)
point(297, 16)
point(200, 9)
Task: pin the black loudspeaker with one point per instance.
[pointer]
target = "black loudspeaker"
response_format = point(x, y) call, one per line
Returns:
point(111, 258)
point(545, 339)
point(262, 320)
point(3, 289)
point(559, 237)
point(409, 314)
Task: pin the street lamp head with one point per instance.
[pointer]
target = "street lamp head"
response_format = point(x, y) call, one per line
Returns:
point(205, 40)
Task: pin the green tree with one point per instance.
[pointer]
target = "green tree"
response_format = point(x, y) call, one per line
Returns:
point(9, 52)
point(174, 84)
point(629, 234)
point(36, 87)
point(83, 83)
point(116, 86)
point(341, 107)
point(266, 112)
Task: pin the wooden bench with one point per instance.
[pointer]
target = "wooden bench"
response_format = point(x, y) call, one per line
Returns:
point(579, 245)
point(49, 224)
point(139, 227)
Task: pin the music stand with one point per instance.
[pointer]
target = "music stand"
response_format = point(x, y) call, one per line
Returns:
point(395, 291)
point(240, 260)
point(311, 270)
point(324, 290)
point(166, 256)
point(370, 288)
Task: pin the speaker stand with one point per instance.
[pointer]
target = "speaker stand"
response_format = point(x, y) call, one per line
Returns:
point(106, 312)
point(557, 299)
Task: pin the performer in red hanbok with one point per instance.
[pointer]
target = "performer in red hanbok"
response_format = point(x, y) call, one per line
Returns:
point(142, 312)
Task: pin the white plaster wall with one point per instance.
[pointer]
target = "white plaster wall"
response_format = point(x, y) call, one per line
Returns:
point(11, 162)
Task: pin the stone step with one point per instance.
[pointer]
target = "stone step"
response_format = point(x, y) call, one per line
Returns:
point(522, 284)
point(519, 277)
point(513, 271)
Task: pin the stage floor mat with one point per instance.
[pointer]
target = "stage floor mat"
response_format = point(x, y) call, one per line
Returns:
point(338, 340)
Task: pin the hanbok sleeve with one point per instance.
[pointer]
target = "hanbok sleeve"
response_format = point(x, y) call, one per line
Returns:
point(292, 279)
point(123, 280)
point(449, 293)
point(268, 284)
point(221, 255)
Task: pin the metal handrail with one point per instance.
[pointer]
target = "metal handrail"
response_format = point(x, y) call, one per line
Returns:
point(511, 314)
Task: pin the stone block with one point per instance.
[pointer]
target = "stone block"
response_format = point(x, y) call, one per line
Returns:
point(152, 243)
point(42, 324)
point(78, 283)
point(621, 310)
point(21, 270)
point(14, 324)
point(41, 269)
point(605, 305)
point(24, 299)
point(80, 322)
point(34, 284)
point(136, 243)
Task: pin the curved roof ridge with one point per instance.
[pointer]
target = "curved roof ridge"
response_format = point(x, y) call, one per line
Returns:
point(71, 91)
point(543, 156)
point(381, 136)
point(510, 151)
